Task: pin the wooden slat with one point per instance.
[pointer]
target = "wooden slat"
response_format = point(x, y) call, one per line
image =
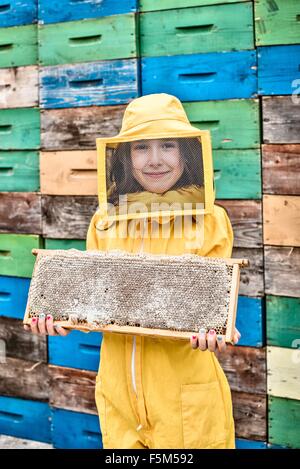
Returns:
point(250, 321)
point(281, 167)
point(18, 12)
point(19, 129)
point(67, 216)
point(13, 294)
point(77, 128)
point(19, 87)
point(106, 38)
point(281, 119)
point(232, 75)
point(24, 379)
point(251, 281)
point(281, 220)
point(18, 46)
point(246, 220)
point(199, 29)
point(69, 172)
point(20, 213)
point(149, 5)
point(245, 368)
point(21, 344)
point(19, 171)
point(16, 258)
point(250, 415)
point(278, 69)
point(99, 83)
point(79, 244)
point(284, 422)
point(276, 22)
point(282, 271)
point(283, 372)
point(72, 389)
point(283, 321)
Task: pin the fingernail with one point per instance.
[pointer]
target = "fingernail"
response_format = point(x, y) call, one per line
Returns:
point(219, 338)
point(202, 331)
point(48, 317)
point(33, 320)
point(194, 337)
point(56, 326)
point(211, 331)
point(41, 316)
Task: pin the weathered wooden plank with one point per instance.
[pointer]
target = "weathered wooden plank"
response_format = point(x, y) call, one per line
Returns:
point(281, 220)
point(24, 379)
point(252, 281)
point(241, 443)
point(246, 220)
point(16, 258)
point(283, 372)
point(237, 174)
point(70, 10)
point(276, 22)
point(75, 430)
point(281, 119)
point(13, 296)
point(201, 77)
point(67, 216)
point(18, 12)
point(197, 30)
point(19, 129)
point(283, 321)
point(79, 244)
point(19, 87)
point(232, 123)
point(106, 82)
point(20, 212)
point(18, 46)
point(72, 389)
point(21, 344)
point(150, 5)
point(278, 69)
point(69, 172)
point(77, 350)
point(107, 38)
point(250, 415)
point(245, 368)
point(281, 167)
point(19, 171)
point(284, 422)
point(77, 128)
point(282, 271)
point(25, 418)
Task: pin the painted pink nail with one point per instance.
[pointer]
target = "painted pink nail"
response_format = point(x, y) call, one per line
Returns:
point(49, 317)
point(211, 331)
point(194, 337)
point(33, 319)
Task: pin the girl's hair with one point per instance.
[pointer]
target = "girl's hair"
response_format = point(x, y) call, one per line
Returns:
point(121, 174)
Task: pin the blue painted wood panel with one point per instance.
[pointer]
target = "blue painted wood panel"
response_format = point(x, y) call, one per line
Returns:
point(201, 77)
point(75, 430)
point(77, 350)
point(249, 321)
point(250, 444)
point(56, 11)
point(25, 419)
point(278, 69)
point(17, 12)
point(13, 296)
point(86, 84)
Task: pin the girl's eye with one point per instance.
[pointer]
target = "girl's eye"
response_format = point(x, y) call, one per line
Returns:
point(169, 145)
point(141, 146)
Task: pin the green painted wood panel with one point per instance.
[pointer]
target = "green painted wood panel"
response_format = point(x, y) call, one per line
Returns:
point(19, 129)
point(110, 37)
point(237, 174)
point(194, 30)
point(19, 171)
point(16, 258)
point(284, 422)
point(232, 123)
point(277, 22)
point(151, 5)
point(18, 46)
point(283, 321)
point(65, 244)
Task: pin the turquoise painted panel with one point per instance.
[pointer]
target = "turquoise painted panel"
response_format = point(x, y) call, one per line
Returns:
point(13, 296)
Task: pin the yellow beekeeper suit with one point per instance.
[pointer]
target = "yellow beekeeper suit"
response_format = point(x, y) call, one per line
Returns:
point(158, 392)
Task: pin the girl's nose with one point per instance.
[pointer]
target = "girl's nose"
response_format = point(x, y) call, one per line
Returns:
point(154, 155)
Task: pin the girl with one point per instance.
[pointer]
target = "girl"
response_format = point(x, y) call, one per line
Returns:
point(158, 392)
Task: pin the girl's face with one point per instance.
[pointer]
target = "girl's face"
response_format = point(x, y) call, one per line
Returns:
point(157, 164)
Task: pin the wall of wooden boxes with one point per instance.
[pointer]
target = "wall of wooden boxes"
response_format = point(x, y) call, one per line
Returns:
point(67, 71)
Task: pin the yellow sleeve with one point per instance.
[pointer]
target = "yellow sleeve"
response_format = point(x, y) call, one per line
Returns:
point(91, 237)
point(218, 234)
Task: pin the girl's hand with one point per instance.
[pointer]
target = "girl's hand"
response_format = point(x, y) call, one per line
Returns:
point(44, 326)
point(211, 340)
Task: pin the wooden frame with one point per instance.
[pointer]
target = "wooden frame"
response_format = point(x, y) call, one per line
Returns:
point(134, 330)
